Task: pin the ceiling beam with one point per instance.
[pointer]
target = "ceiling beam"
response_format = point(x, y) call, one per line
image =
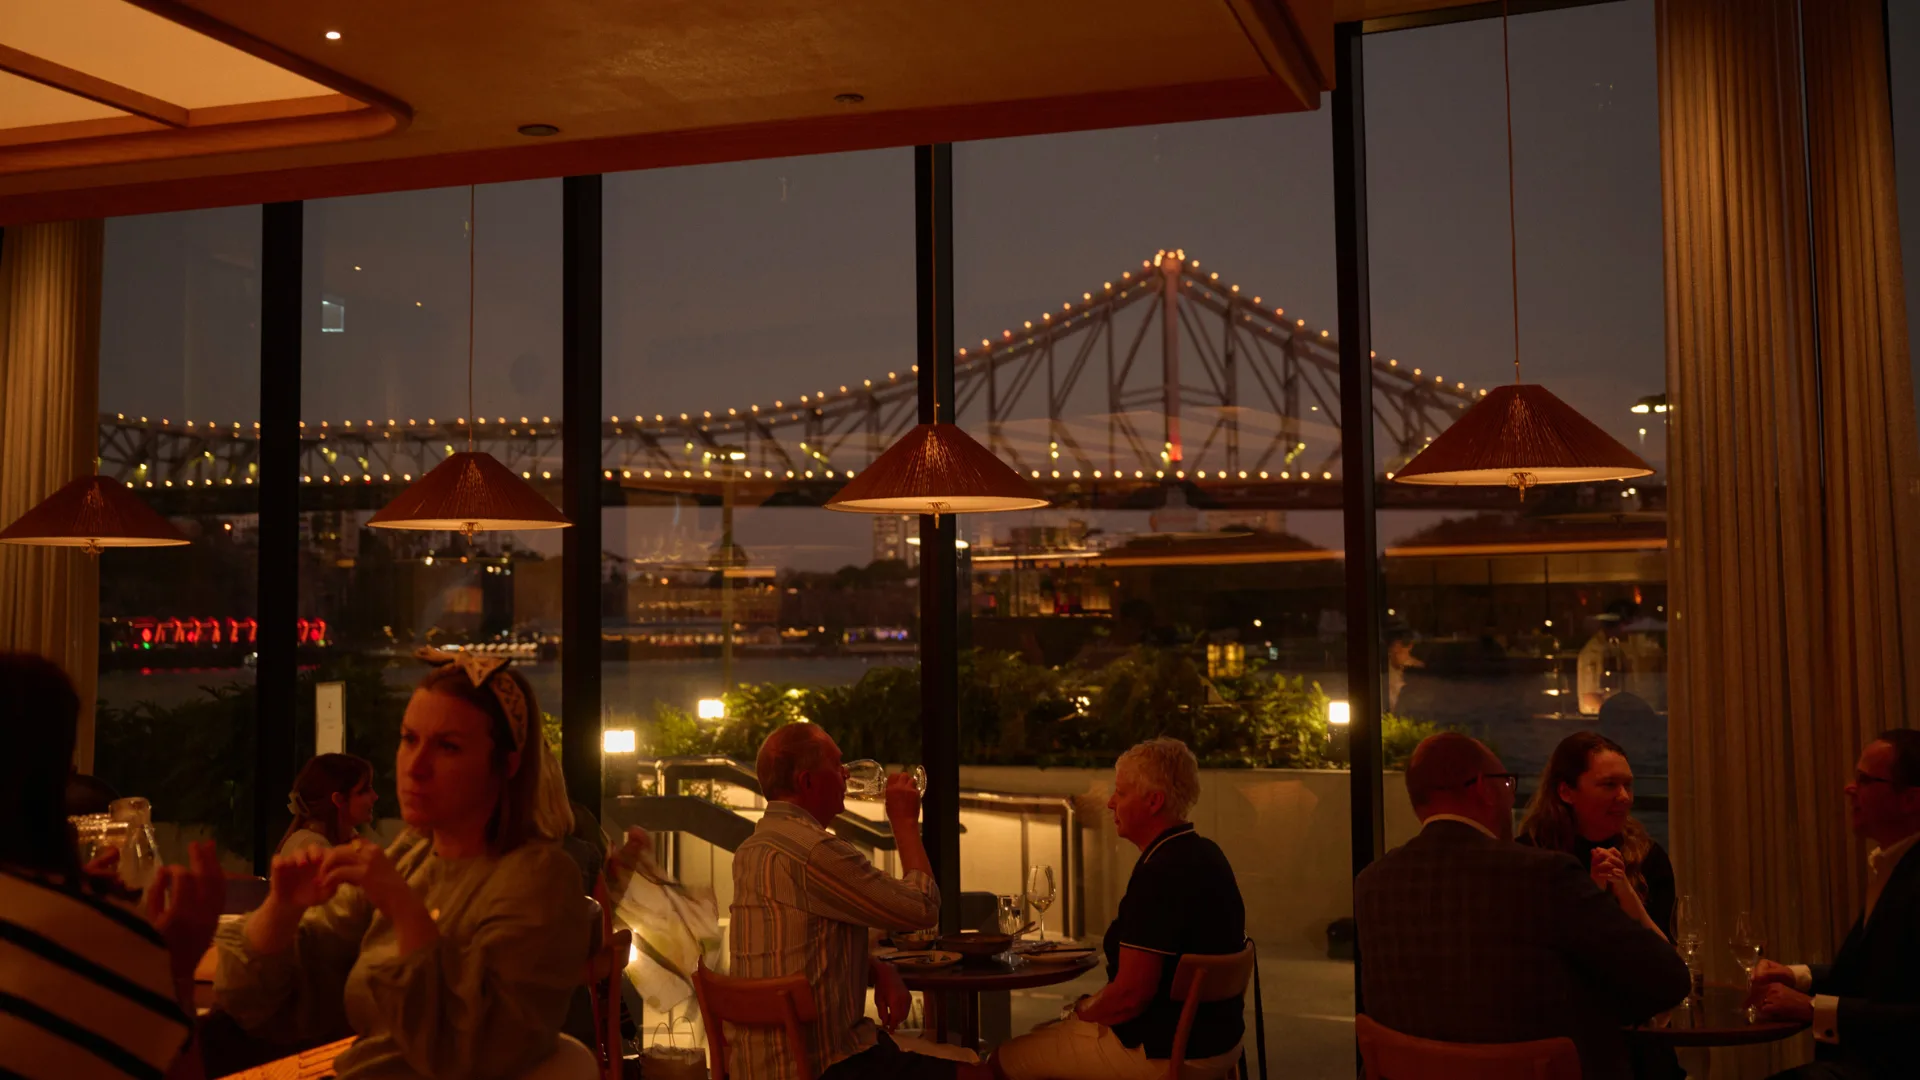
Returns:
point(60, 77)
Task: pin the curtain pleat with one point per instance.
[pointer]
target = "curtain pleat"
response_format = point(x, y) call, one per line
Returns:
point(49, 434)
point(1794, 468)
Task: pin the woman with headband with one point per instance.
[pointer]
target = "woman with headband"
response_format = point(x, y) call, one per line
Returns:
point(454, 952)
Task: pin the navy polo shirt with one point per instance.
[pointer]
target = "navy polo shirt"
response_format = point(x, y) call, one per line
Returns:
point(1182, 898)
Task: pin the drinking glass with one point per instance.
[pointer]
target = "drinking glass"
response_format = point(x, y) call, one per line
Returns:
point(1747, 943)
point(867, 780)
point(1012, 913)
point(1688, 935)
point(139, 855)
point(1040, 893)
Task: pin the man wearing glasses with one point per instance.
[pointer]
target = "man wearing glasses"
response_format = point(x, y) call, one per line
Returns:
point(1468, 937)
point(1865, 1006)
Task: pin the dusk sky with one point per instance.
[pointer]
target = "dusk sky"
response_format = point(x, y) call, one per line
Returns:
point(735, 284)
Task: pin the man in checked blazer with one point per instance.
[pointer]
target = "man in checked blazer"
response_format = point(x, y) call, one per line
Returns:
point(1466, 936)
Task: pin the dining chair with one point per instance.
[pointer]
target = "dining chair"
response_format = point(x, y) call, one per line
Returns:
point(1206, 978)
point(1387, 1054)
point(606, 970)
point(783, 1002)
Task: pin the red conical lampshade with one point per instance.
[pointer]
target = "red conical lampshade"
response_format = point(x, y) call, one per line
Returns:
point(937, 469)
point(467, 493)
point(1519, 436)
point(93, 512)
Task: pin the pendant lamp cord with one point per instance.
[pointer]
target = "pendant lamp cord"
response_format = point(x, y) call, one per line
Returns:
point(471, 418)
point(1513, 236)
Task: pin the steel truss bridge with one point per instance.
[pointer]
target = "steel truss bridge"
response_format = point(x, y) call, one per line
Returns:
point(1164, 379)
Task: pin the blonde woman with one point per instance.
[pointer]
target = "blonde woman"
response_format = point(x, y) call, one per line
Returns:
point(455, 951)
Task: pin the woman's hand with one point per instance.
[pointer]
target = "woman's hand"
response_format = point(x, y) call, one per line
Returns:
point(366, 865)
point(1606, 868)
point(184, 904)
point(295, 881)
point(635, 851)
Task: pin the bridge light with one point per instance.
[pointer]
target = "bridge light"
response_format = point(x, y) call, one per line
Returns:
point(1326, 476)
point(1076, 474)
point(1107, 285)
point(526, 475)
point(1046, 316)
point(120, 416)
point(1096, 474)
point(1263, 474)
point(1389, 474)
point(1416, 371)
point(683, 416)
point(129, 483)
point(1256, 301)
point(626, 474)
point(545, 475)
point(1159, 474)
point(1196, 264)
point(386, 478)
point(706, 415)
point(1086, 296)
point(149, 483)
point(1056, 474)
point(1036, 474)
point(366, 478)
point(1179, 474)
point(1243, 474)
point(1138, 475)
point(248, 480)
point(1236, 288)
point(1028, 324)
point(789, 474)
point(1459, 386)
point(545, 420)
point(809, 474)
point(1215, 277)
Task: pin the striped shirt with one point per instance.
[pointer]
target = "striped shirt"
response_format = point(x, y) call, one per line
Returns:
point(86, 986)
point(803, 900)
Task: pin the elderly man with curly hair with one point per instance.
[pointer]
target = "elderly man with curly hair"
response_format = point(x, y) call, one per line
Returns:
point(1181, 899)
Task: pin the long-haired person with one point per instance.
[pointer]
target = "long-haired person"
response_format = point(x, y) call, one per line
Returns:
point(332, 799)
point(1584, 807)
point(454, 951)
point(89, 986)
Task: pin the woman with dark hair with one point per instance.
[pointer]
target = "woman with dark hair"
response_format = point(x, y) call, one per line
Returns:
point(458, 948)
point(91, 987)
point(1584, 807)
point(331, 799)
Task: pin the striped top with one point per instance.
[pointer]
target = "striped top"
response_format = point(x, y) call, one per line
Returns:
point(86, 986)
point(803, 900)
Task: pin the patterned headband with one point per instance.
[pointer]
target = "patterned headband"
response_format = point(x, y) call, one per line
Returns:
point(480, 670)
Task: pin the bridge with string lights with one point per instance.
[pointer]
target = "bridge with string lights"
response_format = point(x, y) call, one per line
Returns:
point(1166, 377)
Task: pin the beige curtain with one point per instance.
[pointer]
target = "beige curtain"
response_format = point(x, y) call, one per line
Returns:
point(49, 432)
point(1793, 461)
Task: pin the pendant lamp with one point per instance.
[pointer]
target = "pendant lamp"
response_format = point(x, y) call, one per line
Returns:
point(93, 513)
point(471, 491)
point(937, 469)
point(1520, 436)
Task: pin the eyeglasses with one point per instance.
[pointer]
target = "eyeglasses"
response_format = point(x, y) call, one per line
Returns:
point(1508, 780)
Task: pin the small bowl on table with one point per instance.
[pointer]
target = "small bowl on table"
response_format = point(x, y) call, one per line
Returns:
point(977, 944)
point(914, 940)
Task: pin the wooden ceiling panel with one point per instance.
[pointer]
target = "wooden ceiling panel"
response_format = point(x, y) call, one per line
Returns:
point(634, 85)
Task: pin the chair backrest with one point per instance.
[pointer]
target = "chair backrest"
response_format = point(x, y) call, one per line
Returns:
point(1205, 978)
point(1389, 1055)
point(785, 1002)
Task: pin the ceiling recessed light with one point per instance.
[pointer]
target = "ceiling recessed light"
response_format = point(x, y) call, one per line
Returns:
point(849, 99)
point(539, 131)
point(333, 35)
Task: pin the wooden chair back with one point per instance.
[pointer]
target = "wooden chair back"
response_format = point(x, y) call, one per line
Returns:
point(1205, 978)
point(785, 1002)
point(1387, 1054)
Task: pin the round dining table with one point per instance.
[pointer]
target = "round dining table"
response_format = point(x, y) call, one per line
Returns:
point(1717, 1017)
point(972, 977)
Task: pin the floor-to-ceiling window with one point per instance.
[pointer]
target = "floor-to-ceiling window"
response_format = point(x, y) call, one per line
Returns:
point(388, 318)
point(1145, 322)
point(179, 397)
point(1523, 622)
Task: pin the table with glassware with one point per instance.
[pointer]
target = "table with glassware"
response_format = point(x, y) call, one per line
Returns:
point(961, 984)
point(1715, 1015)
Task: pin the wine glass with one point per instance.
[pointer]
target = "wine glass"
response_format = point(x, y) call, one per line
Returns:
point(1688, 935)
point(1040, 892)
point(867, 780)
point(1748, 942)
